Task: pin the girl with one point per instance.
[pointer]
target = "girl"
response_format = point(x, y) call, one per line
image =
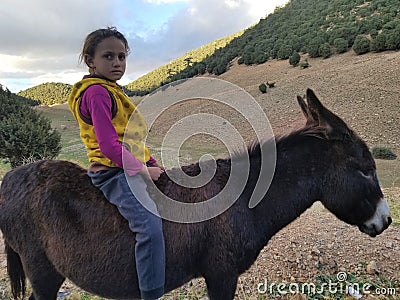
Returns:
point(103, 110)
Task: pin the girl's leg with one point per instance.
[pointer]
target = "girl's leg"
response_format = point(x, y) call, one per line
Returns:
point(149, 248)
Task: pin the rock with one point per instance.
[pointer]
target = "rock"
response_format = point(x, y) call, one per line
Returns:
point(315, 251)
point(338, 233)
point(389, 244)
point(372, 268)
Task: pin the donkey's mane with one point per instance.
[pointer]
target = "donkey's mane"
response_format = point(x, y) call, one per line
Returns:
point(288, 140)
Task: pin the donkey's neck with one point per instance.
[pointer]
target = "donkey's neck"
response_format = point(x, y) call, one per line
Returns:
point(281, 206)
point(294, 188)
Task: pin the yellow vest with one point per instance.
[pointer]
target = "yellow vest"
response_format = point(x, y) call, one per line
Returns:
point(129, 123)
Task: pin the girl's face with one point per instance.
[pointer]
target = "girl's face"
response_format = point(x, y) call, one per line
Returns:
point(109, 59)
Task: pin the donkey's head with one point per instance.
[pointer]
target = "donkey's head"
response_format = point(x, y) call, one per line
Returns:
point(349, 184)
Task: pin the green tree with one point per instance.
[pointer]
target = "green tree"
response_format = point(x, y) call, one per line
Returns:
point(313, 46)
point(220, 68)
point(393, 39)
point(325, 50)
point(361, 45)
point(379, 43)
point(25, 135)
point(285, 51)
point(341, 45)
point(260, 57)
point(294, 59)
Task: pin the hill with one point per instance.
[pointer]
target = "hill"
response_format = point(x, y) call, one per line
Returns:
point(363, 90)
point(192, 58)
point(48, 93)
point(317, 27)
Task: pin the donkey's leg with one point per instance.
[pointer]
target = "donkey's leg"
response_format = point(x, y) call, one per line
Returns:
point(221, 286)
point(43, 277)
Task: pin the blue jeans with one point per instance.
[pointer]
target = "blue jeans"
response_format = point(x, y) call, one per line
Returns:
point(149, 248)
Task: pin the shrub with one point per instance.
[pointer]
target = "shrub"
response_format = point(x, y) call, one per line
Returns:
point(25, 135)
point(341, 45)
point(313, 50)
point(260, 57)
point(325, 50)
point(294, 59)
point(380, 152)
point(361, 45)
point(393, 40)
point(313, 46)
point(379, 43)
point(263, 88)
point(284, 52)
point(220, 68)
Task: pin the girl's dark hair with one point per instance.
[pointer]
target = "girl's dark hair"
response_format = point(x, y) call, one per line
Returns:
point(96, 37)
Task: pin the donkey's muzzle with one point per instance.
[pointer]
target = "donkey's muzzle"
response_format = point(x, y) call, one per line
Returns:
point(374, 231)
point(379, 221)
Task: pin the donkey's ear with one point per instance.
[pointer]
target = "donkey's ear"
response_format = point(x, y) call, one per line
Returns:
point(311, 120)
point(335, 127)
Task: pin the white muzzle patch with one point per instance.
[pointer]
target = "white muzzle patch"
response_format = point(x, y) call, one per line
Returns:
point(379, 221)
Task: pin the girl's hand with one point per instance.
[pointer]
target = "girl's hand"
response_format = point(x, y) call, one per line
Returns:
point(156, 165)
point(155, 172)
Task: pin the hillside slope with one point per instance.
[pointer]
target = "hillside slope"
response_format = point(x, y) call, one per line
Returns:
point(363, 90)
point(48, 93)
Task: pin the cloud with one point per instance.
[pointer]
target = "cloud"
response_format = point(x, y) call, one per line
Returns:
point(44, 37)
point(41, 39)
point(50, 27)
point(200, 22)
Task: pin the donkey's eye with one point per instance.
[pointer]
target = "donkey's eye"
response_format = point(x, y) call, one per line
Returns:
point(369, 174)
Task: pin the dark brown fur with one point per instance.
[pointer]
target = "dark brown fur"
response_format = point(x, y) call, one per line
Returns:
point(59, 226)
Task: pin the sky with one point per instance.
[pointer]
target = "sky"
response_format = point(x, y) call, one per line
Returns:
point(41, 39)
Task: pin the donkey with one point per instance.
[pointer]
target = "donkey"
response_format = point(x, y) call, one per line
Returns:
point(56, 225)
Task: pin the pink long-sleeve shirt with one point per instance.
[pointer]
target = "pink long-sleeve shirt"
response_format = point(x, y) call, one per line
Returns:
point(96, 105)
